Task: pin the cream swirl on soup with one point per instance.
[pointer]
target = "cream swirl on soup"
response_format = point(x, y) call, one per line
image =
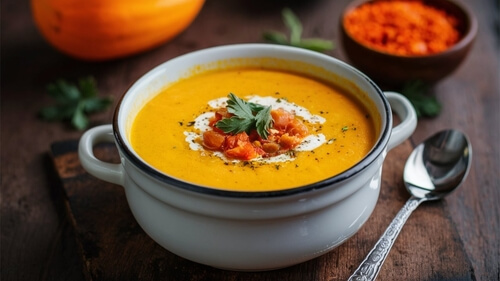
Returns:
point(308, 143)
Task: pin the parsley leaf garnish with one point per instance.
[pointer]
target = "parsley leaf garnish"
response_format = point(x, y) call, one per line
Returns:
point(294, 26)
point(247, 116)
point(263, 121)
point(73, 103)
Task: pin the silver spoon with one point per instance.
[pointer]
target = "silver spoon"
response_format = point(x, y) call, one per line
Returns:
point(434, 169)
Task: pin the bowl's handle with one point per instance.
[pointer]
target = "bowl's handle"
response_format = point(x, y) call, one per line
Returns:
point(404, 109)
point(105, 171)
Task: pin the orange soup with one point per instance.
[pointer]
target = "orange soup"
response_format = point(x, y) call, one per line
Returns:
point(179, 131)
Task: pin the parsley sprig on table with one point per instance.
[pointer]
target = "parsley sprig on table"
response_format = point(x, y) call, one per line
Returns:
point(425, 105)
point(294, 26)
point(247, 117)
point(73, 102)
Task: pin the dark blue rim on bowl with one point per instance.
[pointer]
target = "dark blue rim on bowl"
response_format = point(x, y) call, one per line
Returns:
point(374, 153)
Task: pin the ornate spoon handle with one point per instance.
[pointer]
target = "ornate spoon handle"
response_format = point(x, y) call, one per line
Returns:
point(371, 265)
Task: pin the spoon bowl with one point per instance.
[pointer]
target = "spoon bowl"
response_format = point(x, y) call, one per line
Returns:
point(434, 169)
point(438, 166)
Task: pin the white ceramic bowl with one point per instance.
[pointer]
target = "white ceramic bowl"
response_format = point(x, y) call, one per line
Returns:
point(247, 230)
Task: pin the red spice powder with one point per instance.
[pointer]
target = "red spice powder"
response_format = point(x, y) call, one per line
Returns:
point(402, 27)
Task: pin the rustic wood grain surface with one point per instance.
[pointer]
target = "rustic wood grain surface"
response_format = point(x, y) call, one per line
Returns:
point(43, 230)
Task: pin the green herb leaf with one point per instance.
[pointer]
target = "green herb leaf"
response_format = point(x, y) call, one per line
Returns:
point(316, 44)
point(293, 24)
point(257, 107)
point(73, 103)
point(94, 104)
point(88, 87)
point(295, 29)
point(63, 92)
point(247, 117)
point(275, 37)
point(239, 107)
point(235, 125)
point(417, 93)
point(79, 120)
point(264, 121)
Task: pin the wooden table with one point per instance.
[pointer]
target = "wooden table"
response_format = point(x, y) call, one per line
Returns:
point(40, 239)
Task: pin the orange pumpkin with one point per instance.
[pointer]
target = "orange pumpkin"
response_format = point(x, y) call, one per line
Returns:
point(108, 29)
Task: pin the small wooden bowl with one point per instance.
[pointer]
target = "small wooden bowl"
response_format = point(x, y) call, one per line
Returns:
point(392, 70)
